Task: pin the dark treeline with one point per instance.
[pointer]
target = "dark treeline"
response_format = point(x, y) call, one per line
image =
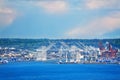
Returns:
point(38, 42)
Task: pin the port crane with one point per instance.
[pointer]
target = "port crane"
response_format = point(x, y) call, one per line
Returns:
point(107, 50)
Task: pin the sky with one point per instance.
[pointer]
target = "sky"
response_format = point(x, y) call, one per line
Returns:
point(60, 19)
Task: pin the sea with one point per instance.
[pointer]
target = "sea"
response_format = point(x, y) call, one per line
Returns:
point(47, 71)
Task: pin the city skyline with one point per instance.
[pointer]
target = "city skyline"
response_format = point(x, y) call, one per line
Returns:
point(60, 19)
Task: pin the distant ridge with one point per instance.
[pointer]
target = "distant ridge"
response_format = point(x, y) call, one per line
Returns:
point(93, 42)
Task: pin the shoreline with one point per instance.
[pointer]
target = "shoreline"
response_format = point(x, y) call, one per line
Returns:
point(46, 62)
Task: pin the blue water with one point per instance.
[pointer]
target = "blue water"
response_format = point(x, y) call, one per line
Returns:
point(42, 71)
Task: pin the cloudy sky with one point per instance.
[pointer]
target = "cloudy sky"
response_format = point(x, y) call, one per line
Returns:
point(56, 19)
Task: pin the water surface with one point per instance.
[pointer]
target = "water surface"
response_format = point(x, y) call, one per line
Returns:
point(42, 71)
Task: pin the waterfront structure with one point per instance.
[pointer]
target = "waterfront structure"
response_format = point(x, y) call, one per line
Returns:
point(41, 54)
point(107, 51)
point(63, 53)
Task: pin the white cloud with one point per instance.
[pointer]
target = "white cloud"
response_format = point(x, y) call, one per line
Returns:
point(102, 4)
point(53, 6)
point(97, 27)
point(7, 15)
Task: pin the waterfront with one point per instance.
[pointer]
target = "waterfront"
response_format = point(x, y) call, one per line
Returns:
point(43, 71)
point(60, 51)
